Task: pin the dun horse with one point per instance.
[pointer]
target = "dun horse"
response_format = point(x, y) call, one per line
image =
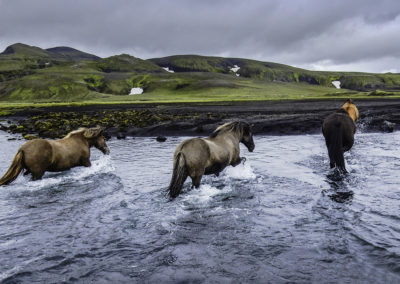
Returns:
point(39, 155)
point(205, 156)
point(338, 129)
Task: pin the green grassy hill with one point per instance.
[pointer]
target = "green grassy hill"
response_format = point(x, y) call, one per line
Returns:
point(279, 72)
point(63, 74)
point(70, 54)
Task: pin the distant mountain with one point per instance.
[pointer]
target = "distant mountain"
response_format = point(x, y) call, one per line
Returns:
point(242, 67)
point(71, 53)
point(24, 50)
point(30, 73)
point(127, 63)
point(60, 53)
point(275, 72)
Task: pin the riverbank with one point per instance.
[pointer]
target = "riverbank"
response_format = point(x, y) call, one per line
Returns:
point(268, 117)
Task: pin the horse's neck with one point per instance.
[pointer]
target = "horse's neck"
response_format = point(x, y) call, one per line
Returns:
point(228, 136)
point(79, 139)
point(352, 113)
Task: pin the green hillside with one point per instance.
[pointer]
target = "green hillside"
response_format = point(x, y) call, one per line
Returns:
point(71, 54)
point(279, 72)
point(63, 74)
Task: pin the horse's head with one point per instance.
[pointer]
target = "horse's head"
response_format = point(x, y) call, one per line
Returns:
point(351, 109)
point(247, 136)
point(96, 138)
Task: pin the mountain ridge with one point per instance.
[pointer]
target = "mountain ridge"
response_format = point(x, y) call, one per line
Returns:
point(64, 73)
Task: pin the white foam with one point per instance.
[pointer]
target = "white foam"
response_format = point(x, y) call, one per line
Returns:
point(241, 171)
point(204, 193)
point(336, 84)
point(102, 165)
point(168, 70)
point(136, 91)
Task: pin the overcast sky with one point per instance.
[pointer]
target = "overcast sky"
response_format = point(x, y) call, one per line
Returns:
point(359, 35)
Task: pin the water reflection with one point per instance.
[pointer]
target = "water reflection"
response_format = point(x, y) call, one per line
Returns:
point(339, 187)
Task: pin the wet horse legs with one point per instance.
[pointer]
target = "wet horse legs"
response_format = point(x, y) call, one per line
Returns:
point(196, 181)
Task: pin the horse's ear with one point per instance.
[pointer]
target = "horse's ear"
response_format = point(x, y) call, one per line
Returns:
point(92, 132)
point(350, 101)
point(88, 133)
point(101, 129)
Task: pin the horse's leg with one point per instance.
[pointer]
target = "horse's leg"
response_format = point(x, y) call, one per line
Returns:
point(36, 175)
point(238, 161)
point(196, 181)
point(86, 162)
point(36, 171)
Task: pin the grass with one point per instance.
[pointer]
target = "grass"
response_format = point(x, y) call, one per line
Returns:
point(32, 76)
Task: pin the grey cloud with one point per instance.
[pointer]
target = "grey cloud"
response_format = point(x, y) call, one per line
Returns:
point(297, 32)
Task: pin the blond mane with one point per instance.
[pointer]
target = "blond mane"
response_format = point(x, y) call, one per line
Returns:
point(351, 109)
point(74, 132)
point(234, 126)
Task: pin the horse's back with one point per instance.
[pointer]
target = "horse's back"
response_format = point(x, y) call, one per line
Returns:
point(37, 153)
point(193, 148)
point(36, 147)
point(339, 122)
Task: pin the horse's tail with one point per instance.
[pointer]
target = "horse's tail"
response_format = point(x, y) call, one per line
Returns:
point(335, 148)
point(16, 167)
point(179, 175)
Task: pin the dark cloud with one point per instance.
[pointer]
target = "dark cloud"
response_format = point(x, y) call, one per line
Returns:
point(340, 34)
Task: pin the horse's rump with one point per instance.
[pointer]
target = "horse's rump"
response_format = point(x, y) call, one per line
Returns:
point(338, 129)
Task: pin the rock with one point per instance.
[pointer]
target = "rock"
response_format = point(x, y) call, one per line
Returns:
point(388, 126)
point(199, 129)
point(121, 135)
point(12, 139)
point(161, 138)
point(29, 137)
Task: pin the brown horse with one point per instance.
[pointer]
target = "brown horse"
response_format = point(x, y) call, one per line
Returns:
point(205, 156)
point(39, 155)
point(338, 129)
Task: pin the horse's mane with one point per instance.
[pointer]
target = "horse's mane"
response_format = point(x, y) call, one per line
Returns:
point(87, 133)
point(234, 126)
point(78, 131)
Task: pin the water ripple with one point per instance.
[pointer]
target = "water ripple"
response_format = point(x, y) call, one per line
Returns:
point(283, 216)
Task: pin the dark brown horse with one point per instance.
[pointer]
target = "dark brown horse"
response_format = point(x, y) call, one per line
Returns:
point(40, 155)
point(205, 156)
point(338, 129)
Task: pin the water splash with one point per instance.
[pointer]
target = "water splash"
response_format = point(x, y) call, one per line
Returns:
point(242, 171)
point(205, 193)
point(78, 174)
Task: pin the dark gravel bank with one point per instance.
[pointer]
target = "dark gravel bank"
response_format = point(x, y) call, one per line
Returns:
point(275, 118)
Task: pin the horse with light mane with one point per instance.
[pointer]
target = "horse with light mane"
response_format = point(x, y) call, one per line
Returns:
point(205, 156)
point(338, 129)
point(40, 155)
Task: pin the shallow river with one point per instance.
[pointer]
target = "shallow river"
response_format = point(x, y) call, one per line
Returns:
point(284, 216)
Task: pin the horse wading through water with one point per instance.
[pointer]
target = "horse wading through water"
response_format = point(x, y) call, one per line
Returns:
point(338, 129)
point(205, 156)
point(40, 155)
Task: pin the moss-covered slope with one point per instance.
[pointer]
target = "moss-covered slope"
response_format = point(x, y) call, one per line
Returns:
point(64, 74)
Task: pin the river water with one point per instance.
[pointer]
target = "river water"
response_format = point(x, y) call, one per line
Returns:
point(283, 216)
